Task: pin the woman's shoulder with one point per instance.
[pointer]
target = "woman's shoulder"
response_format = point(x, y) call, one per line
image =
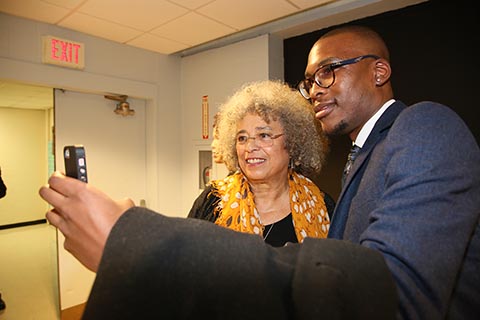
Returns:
point(204, 205)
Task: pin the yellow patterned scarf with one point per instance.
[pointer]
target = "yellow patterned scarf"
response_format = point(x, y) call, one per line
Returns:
point(236, 209)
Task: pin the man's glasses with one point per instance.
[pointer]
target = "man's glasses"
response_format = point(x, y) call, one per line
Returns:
point(262, 139)
point(324, 76)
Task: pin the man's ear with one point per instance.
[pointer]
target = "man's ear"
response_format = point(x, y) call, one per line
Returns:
point(382, 71)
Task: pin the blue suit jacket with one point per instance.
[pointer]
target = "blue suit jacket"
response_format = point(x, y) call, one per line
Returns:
point(413, 194)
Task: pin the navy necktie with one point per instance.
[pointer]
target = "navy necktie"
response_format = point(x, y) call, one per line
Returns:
point(351, 157)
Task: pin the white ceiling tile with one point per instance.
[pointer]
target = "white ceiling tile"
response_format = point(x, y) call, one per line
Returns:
point(191, 4)
point(33, 9)
point(99, 28)
point(70, 4)
point(247, 13)
point(193, 29)
point(157, 44)
point(143, 15)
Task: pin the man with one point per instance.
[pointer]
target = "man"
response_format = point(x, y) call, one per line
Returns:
point(412, 193)
point(402, 202)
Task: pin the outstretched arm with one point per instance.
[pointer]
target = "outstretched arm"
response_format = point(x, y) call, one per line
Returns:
point(152, 266)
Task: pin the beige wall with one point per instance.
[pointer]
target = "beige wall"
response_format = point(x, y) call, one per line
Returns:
point(24, 163)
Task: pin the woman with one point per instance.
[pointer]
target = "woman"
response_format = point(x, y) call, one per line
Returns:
point(268, 132)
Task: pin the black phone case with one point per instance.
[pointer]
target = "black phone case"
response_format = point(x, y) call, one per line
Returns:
point(75, 162)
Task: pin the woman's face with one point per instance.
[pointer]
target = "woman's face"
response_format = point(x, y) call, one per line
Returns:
point(264, 158)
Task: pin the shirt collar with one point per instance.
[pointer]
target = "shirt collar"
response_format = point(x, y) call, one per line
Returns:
point(368, 126)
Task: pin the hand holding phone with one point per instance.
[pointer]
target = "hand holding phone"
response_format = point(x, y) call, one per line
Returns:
point(75, 162)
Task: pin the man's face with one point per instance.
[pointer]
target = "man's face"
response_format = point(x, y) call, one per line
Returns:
point(346, 105)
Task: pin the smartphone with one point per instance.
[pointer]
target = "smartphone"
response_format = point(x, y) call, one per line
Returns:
point(75, 162)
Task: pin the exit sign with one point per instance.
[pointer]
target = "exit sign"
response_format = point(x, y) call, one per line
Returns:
point(63, 52)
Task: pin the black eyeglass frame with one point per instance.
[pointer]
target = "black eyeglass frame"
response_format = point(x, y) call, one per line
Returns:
point(302, 87)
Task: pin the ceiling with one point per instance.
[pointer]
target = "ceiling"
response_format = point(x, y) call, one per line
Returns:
point(182, 27)
point(176, 26)
point(164, 26)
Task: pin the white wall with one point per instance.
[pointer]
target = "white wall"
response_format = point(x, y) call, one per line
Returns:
point(218, 73)
point(165, 155)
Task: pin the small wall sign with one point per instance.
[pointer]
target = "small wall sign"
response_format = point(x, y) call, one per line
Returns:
point(63, 52)
point(205, 127)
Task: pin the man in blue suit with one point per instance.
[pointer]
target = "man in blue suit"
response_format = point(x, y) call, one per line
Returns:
point(406, 221)
point(412, 192)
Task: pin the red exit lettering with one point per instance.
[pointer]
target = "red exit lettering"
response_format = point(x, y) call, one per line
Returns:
point(65, 51)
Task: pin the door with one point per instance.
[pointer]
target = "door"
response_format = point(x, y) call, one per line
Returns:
point(115, 148)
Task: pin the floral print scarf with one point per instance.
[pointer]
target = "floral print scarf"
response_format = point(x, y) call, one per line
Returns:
point(236, 209)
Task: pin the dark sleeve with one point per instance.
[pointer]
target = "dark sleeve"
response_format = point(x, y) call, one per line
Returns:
point(329, 203)
point(3, 188)
point(203, 207)
point(158, 267)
